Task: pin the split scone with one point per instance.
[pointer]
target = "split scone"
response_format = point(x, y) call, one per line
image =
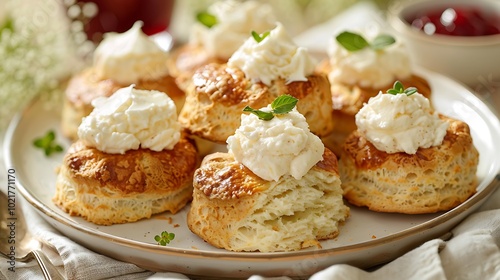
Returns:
point(358, 74)
point(277, 189)
point(130, 162)
point(119, 61)
point(217, 34)
point(406, 158)
point(260, 71)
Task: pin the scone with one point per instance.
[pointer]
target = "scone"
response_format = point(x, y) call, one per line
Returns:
point(87, 86)
point(119, 61)
point(428, 166)
point(217, 34)
point(110, 189)
point(218, 95)
point(219, 92)
point(357, 75)
point(276, 192)
point(131, 160)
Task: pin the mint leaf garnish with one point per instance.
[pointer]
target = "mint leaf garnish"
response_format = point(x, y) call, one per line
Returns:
point(382, 41)
point(259, 37)
point(352, 41)
point(206, 19)
point(265, 116)
point(281, 105)
point(284, 104)
point(355, 42)
point(398, 88)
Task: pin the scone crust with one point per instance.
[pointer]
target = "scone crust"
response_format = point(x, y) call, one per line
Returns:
point(239, 181)
point(86, 86)
point(434, 179)
point(226, 195)
point(217, 95)
point(162, 181)
point(184, 60)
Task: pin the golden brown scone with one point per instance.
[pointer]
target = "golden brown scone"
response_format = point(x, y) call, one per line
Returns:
point(217, 95)
point(348, 100)
point(184, 60)
point(110, 189)
point(434, 179)
point(234, 209)
point(86, 86)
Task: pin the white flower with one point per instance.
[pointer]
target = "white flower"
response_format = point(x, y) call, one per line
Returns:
point(36, 54)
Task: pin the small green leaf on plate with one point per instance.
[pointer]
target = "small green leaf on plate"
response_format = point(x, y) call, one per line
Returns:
point(164, 238)
point(47, 143)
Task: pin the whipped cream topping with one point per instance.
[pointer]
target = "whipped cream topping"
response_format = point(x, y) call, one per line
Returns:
point(129, 57)
point(275, 57)
point(235, 21)
point(368, 67)
point(131, 119)
point(281, 146)
point(400, 123)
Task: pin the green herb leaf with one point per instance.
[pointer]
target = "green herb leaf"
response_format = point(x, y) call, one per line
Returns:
point(411, 90)
point(164, 238)
point(265, 116)
point(284, 104)
point(382, 41)
point(260, 37)
point(46, 143)
point(398, 88)
point(281, 105)
point(206, 19)
point(352, 41)
point(355, 42)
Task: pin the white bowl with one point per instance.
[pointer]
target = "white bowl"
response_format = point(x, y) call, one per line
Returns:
point(468, 59)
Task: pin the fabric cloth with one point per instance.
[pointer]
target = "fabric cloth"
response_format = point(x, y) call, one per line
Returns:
point(472, 253)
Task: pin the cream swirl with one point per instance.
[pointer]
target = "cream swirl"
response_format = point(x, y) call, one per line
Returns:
point(129, 57)
point(131, 119)
point(235, 21)
point(275, 57)
point(369, 67)
point(275, 148)
point(400, 123)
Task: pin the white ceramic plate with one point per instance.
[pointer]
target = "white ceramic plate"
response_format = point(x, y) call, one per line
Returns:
point(366, 239)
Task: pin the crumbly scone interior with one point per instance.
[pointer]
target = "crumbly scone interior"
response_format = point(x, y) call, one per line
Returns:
point(291, 212)
point(266, 216)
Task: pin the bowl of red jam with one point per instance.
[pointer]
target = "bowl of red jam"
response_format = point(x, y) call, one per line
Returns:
point(459, 38)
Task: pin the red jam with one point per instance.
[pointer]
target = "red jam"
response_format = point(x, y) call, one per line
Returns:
point(457, 21)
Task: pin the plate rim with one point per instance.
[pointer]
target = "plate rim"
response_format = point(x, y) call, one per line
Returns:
point(275, 256)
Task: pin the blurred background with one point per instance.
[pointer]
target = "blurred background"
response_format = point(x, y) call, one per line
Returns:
point(42, 42)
